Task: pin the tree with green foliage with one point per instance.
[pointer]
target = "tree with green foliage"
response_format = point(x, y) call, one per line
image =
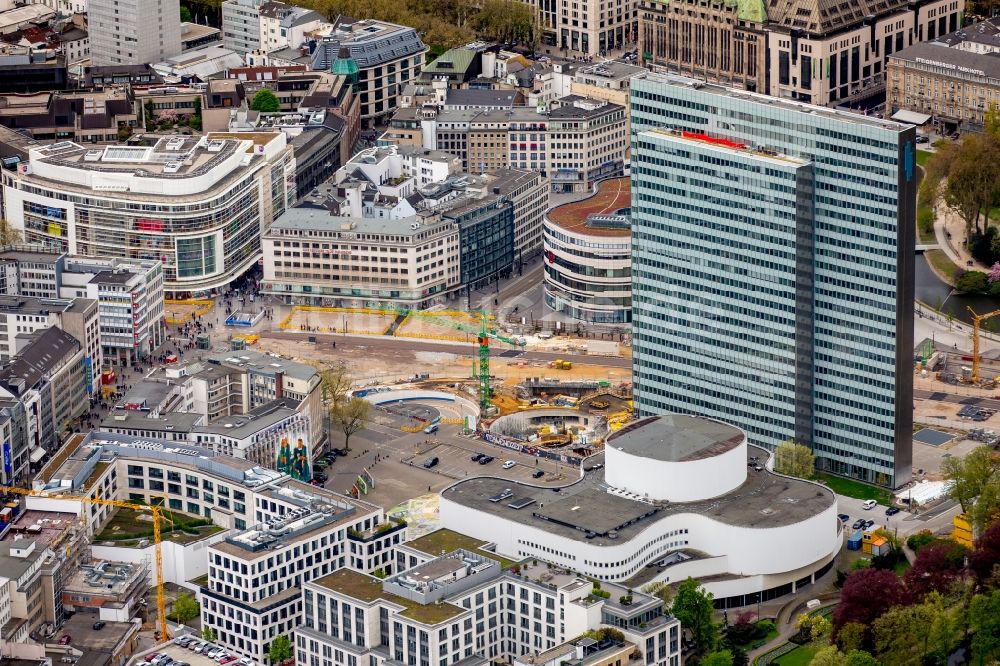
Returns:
point(350, 417)
point(186, 15)
point(972, 282)
point(280, 650)
point(208, 634)
point(829, 656)
point(984, 621)
point(861, 658)
point(693, 607)
point(661, 590)
point(975, 484)
point(265, 101)
point(8, 234)
point(912, 634)
point(185, 609)
point(794, 459)
point(720, 658)
point(974, 179)
point(194, 122)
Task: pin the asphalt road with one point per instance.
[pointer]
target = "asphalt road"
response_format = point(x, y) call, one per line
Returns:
point(366, 344)
point(921, 394)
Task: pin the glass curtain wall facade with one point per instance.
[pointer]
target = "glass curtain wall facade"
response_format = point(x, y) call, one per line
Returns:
point(772, 262)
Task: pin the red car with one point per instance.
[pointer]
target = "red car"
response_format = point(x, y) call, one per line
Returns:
point(151, 657)
point(228, 660)
point(65, 639)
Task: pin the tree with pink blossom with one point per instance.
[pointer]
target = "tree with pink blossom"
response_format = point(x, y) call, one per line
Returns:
point(994, 275)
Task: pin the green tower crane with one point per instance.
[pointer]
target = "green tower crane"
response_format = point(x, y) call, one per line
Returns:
point(483, 336)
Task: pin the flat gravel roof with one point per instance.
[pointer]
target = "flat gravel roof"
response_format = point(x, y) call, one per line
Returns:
point(764, 500)
point(676, 438)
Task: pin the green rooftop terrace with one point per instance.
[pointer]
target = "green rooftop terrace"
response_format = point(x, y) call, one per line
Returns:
point(369, 589)
point(444, 541)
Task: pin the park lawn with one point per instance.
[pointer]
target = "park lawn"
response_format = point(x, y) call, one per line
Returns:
point(855, 489)
point(800, 656)
point(923, 156)
point(940, 261)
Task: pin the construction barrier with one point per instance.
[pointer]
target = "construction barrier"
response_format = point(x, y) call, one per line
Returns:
point(204, 306)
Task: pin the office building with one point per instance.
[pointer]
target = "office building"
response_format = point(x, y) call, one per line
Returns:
point(468, 605)
point(46, 377)
point(821, 54)
point(430, 230)
point(197, 205)
point(380, 57)
point(283, 26)
point(133, 32)
point(24, 69)
point(588, 256)
point(772, 271)
point(241, 25)
point(588, 27)
point(22, 316)
point(953, 79)
point(129, 297)
point(92, 117)
point(585, 143)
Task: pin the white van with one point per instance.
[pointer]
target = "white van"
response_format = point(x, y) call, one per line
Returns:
point(869, 505)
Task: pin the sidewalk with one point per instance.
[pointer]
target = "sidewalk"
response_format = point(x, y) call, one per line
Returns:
point(949, 229)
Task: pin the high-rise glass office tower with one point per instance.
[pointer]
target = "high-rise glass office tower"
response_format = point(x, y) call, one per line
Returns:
point(772, 269)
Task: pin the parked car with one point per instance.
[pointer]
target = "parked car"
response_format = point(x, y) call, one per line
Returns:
point(538, 473)
point(486, 460)
point(476, 457)
point(319, 476)
point(859, 523)
point(844, 518)
point(431, 462)
point(100, 624)
point(922, 139)
point(246, 661)
point(65, 639)
point(228, 660)
point(151, 656)
point(869, 505)
point(432, 428)
point(892, 511)
point(869, 524)
point(204, 646)
point(508, 464)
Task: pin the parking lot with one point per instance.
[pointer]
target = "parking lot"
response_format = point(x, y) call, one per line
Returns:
point(455, 460)
point(183, 656)
point(396, 458)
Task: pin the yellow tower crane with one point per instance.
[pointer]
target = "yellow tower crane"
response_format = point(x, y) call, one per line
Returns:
point(157, 514)
point(977, 319)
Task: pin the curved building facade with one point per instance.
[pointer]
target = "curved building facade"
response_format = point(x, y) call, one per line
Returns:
point(198, 205)
point(676, 498)
point(587, 243)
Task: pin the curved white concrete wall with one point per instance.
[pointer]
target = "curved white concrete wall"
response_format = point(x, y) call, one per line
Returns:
point(686, 481)
point(535, 417)
point(466, 407)
point(743, 551)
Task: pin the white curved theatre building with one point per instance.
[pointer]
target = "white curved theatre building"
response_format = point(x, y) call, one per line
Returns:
point(678, 496)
